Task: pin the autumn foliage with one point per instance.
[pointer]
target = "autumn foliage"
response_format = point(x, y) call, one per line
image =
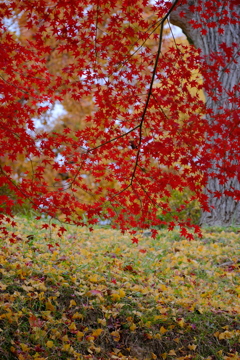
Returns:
point(141, 130)
point(94, 296)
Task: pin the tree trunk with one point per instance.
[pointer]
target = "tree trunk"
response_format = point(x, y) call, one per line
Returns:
point(225, 211)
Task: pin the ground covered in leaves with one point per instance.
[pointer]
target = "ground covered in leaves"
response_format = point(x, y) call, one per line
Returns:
point(98, 296)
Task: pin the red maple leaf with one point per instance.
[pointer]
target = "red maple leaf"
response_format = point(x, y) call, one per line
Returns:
point(135, 240)
point(134, 137)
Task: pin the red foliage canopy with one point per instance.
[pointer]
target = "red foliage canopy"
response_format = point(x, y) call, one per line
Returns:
point(147, 129)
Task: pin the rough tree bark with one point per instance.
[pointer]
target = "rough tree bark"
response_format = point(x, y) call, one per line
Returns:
point(225, 210)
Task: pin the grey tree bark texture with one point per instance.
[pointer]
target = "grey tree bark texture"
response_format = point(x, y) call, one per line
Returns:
point(225, 211)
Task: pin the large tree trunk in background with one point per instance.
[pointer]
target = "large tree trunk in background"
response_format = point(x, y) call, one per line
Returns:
point(226, 210)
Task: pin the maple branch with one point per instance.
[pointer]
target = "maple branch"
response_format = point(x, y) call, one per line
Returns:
point(113, 139)
point(121, 191)
point(26, 196)
point(16, 87)
point(150, 87)
point(158, 24)
point(147, 194)
point(147, 101)
point(10, 130)
point(161, 23)
point(140, 125)
point(169, 24)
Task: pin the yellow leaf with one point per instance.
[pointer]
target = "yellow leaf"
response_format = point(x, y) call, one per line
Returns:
point(163, 330)
point(94, 278)
point(49, 344)
point(181, 323)
point(148, 324)
point(80, 335)
point(115, 297)
point(154, 356)
point(162, 287)
point(133, 327)
point(77, 316)
point(50, 306)
point(66, 347)
point(102, 321)
point(65, 338)
point(192, 347)
point(172, 353)
point(3, 287)
point(121, 293)
point(90, 338)
point(27, 288)
point(97, 332)
point(72, 303)
point(72, 326)
point(55, 334)
point(115, 335)
point(41, 296)
point(40, 286)
point(24, 347)
point(226, 335)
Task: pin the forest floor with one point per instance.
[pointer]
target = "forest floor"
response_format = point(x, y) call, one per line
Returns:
point(97, 295)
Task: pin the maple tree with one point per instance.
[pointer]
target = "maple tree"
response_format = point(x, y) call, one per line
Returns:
point(135, 138)
point(213, 27)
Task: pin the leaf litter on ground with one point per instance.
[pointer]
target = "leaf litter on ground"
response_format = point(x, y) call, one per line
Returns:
point(97, 295)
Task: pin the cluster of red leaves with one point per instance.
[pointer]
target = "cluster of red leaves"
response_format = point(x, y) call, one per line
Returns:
point(147, 130)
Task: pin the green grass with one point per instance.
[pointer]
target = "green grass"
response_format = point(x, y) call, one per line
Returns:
point(98, 296)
